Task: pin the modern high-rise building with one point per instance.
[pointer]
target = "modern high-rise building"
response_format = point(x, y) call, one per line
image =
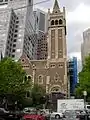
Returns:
point(42, 51)
point(85, 46)
point(41, 27)
point(73, 74)
point(41, 21)
point(18, 28)
point(4, 26)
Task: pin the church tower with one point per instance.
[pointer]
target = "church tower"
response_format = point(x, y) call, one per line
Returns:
point(57, 54)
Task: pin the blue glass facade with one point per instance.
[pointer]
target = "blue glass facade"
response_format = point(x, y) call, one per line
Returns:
point(73, 74)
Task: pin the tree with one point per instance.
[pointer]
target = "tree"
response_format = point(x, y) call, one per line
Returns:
point(38, 94)
point(12, 78)
point(84, 79)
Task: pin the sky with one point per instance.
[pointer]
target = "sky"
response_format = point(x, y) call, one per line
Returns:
point(78, 20)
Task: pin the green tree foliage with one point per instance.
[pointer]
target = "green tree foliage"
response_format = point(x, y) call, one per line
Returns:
point(12, 78)
point(14, 83)
point(84, 79)
point(38, 94)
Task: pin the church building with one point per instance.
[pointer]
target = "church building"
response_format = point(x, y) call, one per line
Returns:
point(52, 72)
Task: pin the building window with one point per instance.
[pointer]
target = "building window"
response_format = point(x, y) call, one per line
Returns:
point(56, 22)
point(13, 56)
point(29, 77)
point(52, 22)
point(37, 19)
point(52, 65)
point(16, 31)
point(14, 45)
point(15, 35)
point(15, 40)
point(60, 21)
point(60, 66)
point(40, 79)
point(13, 50)
point(16, 26)
point(23, 60)
point(17, 22)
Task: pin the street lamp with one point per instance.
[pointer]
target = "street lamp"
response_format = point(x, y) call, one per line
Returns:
point(85, 94)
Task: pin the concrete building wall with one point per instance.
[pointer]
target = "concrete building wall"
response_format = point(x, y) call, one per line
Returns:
point(41, 31)
point(40, 21)
point(85, 47)
point(4, 26)
point(21, 14)
point(42, 50)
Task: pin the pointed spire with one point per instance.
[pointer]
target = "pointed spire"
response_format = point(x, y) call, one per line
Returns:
point(56, 5)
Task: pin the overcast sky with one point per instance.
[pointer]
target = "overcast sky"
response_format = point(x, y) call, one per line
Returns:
point(78, 20)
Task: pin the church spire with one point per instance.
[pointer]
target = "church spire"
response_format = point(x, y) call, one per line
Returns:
point(56, 5)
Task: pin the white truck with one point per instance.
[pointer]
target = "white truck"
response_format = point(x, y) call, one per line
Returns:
point(70, 104)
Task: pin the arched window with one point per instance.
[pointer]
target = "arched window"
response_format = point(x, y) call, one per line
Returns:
point(23, 60)
point(60, 21)
point(40, 79)
point(52, 22)
point(29, 78)
point(56, 22)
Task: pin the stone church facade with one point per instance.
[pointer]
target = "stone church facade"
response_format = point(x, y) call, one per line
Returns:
point(51, 73)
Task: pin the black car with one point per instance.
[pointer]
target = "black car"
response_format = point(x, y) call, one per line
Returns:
point(8, 115)
point(84, 115)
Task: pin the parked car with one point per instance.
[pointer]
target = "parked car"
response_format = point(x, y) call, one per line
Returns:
point(6, 115)
point(9, 115)
point(84, 115)
point(70, 115)
point(29, 110)
point(33, 117)
point(56, 115)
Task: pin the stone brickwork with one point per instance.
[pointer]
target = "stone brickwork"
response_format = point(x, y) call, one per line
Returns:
point(52, 72)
